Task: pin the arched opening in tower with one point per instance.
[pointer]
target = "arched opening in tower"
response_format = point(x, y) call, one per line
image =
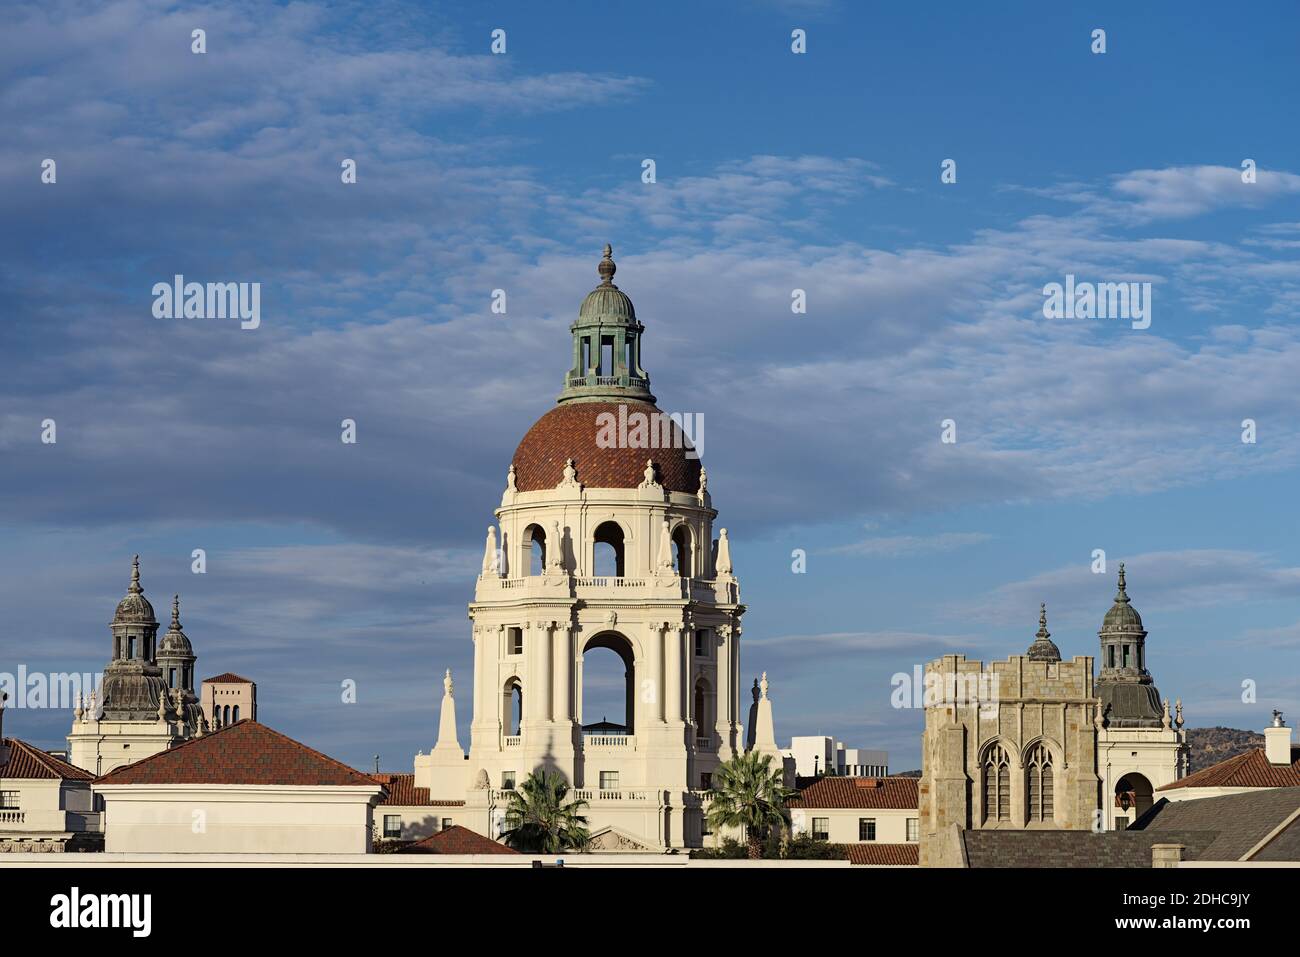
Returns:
point(683, 551)
point(512, 706)
point(607, 551)
point(534, 544)
point(608, 683)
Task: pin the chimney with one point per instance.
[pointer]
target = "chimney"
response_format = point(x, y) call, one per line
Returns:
point(1277, 741)
point(1167, 855)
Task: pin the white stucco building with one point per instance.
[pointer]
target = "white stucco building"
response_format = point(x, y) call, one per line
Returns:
point(244, 789)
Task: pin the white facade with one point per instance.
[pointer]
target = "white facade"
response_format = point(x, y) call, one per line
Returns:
point(857, 825)
point(44, 814)
point(238, 818)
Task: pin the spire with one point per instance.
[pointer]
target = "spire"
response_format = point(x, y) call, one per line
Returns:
point(447, 740)
point(1121, 596)
point(724, 555)
point(764, 728)
point(134, 588)
point(176, 613)
point(490, 560)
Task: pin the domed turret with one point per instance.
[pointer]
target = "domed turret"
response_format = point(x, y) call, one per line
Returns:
point(175, 641)
point(1043, 648)
point(1128, 694)
point(134, 607)
point(133, 682)
point(606, 345)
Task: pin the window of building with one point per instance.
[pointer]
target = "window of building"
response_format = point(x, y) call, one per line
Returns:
point(913, 829)
point(171, 677)
point(507, 780)
point(609, 780)
point(446, 823)
point(821, 828)
point(866, 829)
point(392, 825)
point(702, 643)
point(515, 641)
point(8, 800)
point(706, 780)
point(997, 786)
point(1039, 786)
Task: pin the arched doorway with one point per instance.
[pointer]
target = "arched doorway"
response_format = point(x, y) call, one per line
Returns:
point(607, 551)
point(607, 703)
point(1133, 798)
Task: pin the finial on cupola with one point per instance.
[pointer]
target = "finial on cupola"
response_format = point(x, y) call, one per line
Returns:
point(176, 612)
point(1122, 595)
point(607, 267)
point(135, 576)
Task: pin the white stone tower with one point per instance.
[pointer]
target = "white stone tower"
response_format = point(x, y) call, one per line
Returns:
point(604, 476)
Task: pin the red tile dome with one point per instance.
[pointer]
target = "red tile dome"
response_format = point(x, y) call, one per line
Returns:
point(570, 430)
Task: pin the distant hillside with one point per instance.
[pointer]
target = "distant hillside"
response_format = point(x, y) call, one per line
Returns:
point(1212, 745)
point(907, 774)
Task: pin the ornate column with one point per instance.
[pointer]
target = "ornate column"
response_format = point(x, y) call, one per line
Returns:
point(722, 720)
point(672, 673)
point(544, 639)
point(562, 649)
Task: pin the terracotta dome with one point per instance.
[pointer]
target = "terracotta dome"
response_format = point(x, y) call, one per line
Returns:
point(569, 431)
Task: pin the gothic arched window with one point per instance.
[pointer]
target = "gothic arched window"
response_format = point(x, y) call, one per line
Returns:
point(997, 786)
point(1039, 784)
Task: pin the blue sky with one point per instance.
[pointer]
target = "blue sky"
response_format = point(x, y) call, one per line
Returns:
point(775, 171)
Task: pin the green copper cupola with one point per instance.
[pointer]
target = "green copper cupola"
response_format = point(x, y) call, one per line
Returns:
point(606, 346)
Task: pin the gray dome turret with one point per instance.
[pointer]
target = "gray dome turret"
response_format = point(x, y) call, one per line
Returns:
point(1128, 693)
point(1043, 648)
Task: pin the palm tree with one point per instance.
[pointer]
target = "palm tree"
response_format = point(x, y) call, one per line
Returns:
point(747, 792)
point(540, 821)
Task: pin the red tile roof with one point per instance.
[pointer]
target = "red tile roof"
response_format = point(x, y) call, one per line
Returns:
point(1247, 770)
point(401, 792)
point(229, 678)
point(897, 854)
point(570, 430)
point(243, 753)
point(457, 840)
point(878, 793)
point(26, 761)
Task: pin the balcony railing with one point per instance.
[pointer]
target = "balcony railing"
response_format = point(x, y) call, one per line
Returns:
point(692, 589)
point(514, 740)
point(625, 741)
point(609, 794)
point(12, 817)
